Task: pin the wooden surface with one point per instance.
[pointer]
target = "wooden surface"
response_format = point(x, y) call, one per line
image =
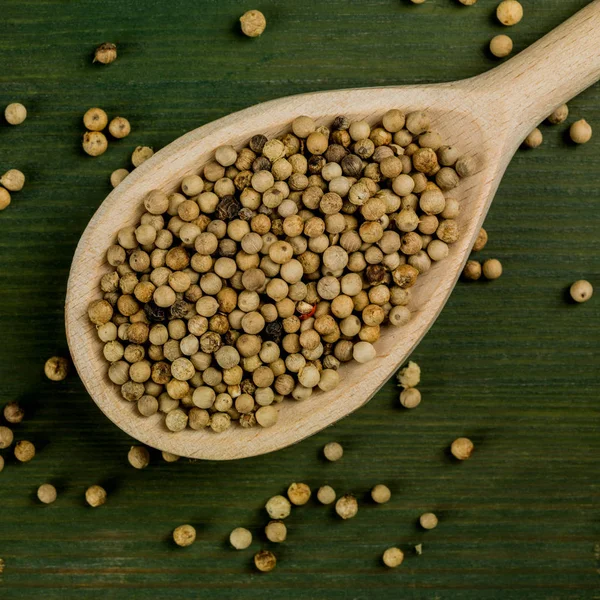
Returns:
point(489, 126)
point(510, 363)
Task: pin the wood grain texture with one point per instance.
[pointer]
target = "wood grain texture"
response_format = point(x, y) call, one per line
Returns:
point(510, 363)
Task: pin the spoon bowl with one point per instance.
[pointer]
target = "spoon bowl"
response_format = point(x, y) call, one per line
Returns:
point(485, 117)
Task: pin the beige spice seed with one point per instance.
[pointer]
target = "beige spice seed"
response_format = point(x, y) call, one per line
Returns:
point(138, 457)
point(13, 180)
point(509, 12)
point(240, 538)
point(462, 448)
point(140, 155)
point(95, 496)
point(13, 413)
point(428, 521)
point(95, 119)
point(265, 561)
point(581, 291)
point(119, 127)
point(5, 198)
point(15, 113)
point(47, 493)
point(24, 451)
point(184, 535)
point(299, 493)
point(333, 451)
point(56, 368)
point(6, 437)
point(326, 495)
point(94, 143)
point(276, 531)
point(492, 268)
point(105, 53)
point(346, 507)
point(253, 23)
point(501, 46)
point(393, 557)
point(381, 494)
point(581, 132)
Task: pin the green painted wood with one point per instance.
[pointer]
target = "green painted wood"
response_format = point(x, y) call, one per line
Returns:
point(511, 363)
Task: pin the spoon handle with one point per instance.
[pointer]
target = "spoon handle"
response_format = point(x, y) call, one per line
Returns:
point(547, 74)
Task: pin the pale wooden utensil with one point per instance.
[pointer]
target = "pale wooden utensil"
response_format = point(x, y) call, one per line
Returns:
point(486, 117)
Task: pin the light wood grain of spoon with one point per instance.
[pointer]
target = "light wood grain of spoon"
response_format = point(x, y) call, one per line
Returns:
point(486, 117)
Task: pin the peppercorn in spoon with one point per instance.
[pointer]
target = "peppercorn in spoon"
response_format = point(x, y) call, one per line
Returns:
point(485, 117)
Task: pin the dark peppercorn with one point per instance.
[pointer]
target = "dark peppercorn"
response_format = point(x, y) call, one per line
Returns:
point(228, 208)
point(262, 163)
point(341, 137)
point(277, 227)
point(257, 143)
point(348, 208)
point(352, 166)
point(316, 164)
point(327, 348)
point(274, 331)
point(247, 386)
point(155, 313)
point(229, 338)
point(246, 214)
point(375, 274)
point(265, 210)
point(335, 153)
point(179, 309)
point(242, 180)
point(340, 122)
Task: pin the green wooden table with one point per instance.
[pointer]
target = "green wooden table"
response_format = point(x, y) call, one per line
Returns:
point(511, 364)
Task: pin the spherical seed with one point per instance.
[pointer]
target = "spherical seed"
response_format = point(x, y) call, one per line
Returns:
point(94, 143)
point(276, 531)
point(1, 464)
point(105, 53)
point(501, 46)
point(581, 291)
point(472, 270)
point(46, 493)
point(15, 113)
point(95, 496)
point(534, 139)
point(13, 180)
point(299, 493)
point(4, 198)
point(118, 176)
point(326, 495)
point(13, 413)
point(381, 493)
point(492, 268)
point(393, 557)
point(265, 561)
point(138, 457)
point(559, 115)
point(119, 127)
point(140, 155)
point(481, 241)
point(462, 448)
point(95, 119)
point(333, 451)
point(346, 507)
point(581, 132)
point(410, 398)
point(253, 23)
point(363, 352)
point(170, 458)
point(6, 437)
point(24, 451)
point(509, 12)
point(278, 507)
point(428, 521)
point(176, 420)
point(184, 535)
point(240, 538)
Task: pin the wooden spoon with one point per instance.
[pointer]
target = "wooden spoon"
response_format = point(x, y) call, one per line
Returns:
point(486, 117)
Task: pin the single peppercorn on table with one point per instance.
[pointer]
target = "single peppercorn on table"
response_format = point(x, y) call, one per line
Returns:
point(510, 364)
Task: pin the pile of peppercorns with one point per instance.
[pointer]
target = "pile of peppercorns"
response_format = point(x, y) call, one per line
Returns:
point(273, 266)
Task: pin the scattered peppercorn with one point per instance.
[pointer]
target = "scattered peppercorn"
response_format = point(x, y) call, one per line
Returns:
point(381, 493)
point(184, 535)
point(581, 290)
point(501, 46)
point(24, 451)
point(299, 493)
point(46, 493)
point(462, 448)
point(253, 23)
point(170, 458)
point(481, 241)
point(534, 139)
point(393, 557)
point(95, 119)
point(278, 507)
point(265, 561)
point(56, 368)
point(105, 53)
point(333, 451)
point(4, 198)
point(15, 113)
point(13, 180)
point(428, 521)
point(492, 268)
point(326, 494)
point(346, 507)
point(94, 143)
point(581, 132)
point(410, 398)
point(116, 177)
point(509, 12)
point(240, 538)
point(276, 531)
point(140, 155)
point(559, 115)
point(13, 413)
point(472, 270)
point(6, 437)
point(138, 457)
point(95, 496)
point(119, 127)
point(1, 464)
point(409, 376)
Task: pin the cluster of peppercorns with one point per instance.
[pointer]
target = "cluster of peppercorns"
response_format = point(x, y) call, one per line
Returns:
point(95, 121)
point(273, 266)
